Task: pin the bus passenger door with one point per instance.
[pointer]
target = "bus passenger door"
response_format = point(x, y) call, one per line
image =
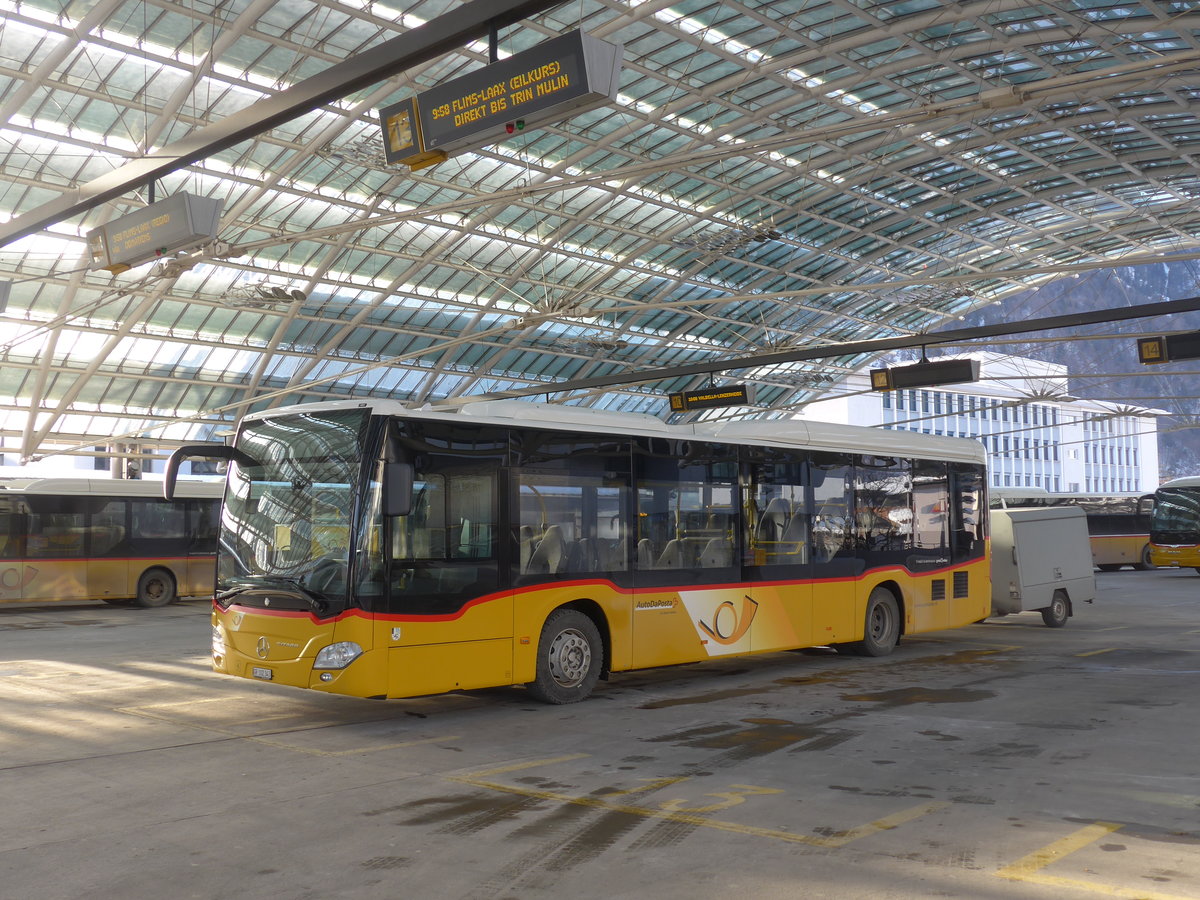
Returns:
point(202, 520)
point(55, 566)
point(689, 602)
point(777, 555)
point(837, 565)
point(13, 527)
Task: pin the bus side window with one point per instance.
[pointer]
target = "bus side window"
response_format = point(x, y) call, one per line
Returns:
point(108, 527)
point(55, 531)
point(831, 480)
point(777, 515)
point(11, 532)
point(931, 505)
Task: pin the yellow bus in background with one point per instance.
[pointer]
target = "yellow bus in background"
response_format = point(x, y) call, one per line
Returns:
point(1118, 524)
point(106, 539)
point(1175, 526)
point(378, 551)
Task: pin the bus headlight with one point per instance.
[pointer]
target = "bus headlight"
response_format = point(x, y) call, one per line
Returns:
point(338, 656)
point(218, 641)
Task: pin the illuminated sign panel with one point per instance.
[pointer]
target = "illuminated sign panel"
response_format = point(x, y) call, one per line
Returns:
point(546, 83)
point(176, 223)
point(709, 398)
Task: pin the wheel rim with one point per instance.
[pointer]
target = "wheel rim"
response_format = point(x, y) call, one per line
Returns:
point(881, 621)
point(570, 658)
point(155, 589)
point(1059, 608)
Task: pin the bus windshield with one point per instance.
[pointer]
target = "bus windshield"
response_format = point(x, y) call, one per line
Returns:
point(287, 520)
point(1176, 517)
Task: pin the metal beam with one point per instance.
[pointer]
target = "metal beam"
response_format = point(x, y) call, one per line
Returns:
point(454, 29)
point(853, 348)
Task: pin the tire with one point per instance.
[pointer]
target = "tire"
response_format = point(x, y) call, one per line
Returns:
point(569, 657)
point(1146, 562)
point(1056, 614)
point(881, 628)
point(155, 588)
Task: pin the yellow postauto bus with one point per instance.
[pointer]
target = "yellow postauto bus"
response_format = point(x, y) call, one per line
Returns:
point(106, 539)
point(1118, 524)
point(1175, 525)
point(378, 551)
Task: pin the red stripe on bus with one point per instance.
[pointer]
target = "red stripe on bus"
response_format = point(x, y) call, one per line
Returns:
point(582, 582)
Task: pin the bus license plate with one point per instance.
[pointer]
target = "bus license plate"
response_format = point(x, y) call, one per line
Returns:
point(259, 672)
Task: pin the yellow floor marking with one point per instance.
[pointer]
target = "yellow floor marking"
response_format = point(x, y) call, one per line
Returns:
point(1097, 652)
point(1028, 868)
point(839, 839)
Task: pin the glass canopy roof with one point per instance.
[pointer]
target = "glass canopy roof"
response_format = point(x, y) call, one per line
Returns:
point(772, 174)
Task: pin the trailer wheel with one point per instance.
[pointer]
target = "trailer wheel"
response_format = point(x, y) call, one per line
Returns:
point(1056, 614)
point(155, 588)
point(881, 630)
point(570, 654)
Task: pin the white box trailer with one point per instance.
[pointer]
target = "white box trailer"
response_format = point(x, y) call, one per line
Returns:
point(1041, 559)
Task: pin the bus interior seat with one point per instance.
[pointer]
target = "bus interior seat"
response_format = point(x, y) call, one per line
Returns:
point(550, 553)
point(795, 538)
point(527, 543)
point(645, 554)
point(717, 553)
point(609, 558)
point(580, 556)
point(828, 532)
point(773, 520)
point(672, 556)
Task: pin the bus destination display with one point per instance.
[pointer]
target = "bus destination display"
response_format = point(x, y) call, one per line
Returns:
point(549, 82)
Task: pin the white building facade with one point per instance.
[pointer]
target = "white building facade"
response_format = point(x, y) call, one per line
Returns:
point(1036, 434)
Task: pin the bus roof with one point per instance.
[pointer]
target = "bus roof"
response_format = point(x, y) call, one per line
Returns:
point(118, 487)
point(1185, 481)
point(814, 435)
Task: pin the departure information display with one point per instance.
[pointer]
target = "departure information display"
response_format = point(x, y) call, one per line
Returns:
point(549, 82)
point(710, 398)
point(176, 223)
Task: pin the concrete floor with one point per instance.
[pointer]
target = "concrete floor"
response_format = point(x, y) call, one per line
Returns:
point(1003, 760)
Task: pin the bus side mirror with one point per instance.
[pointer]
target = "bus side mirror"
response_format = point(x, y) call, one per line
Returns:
point(208, 451)
point(205, 451)
point(397, 489)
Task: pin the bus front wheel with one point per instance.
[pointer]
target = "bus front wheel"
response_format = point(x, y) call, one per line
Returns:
point(1146, 562)
point(881, 631)
point(569, 657)
point(155, 588)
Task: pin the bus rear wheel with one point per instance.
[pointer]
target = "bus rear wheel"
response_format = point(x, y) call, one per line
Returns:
point(569, 657)
point(881, 631)
point(155, 588)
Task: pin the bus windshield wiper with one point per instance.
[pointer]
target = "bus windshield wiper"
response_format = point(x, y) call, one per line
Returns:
point(319, 602)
